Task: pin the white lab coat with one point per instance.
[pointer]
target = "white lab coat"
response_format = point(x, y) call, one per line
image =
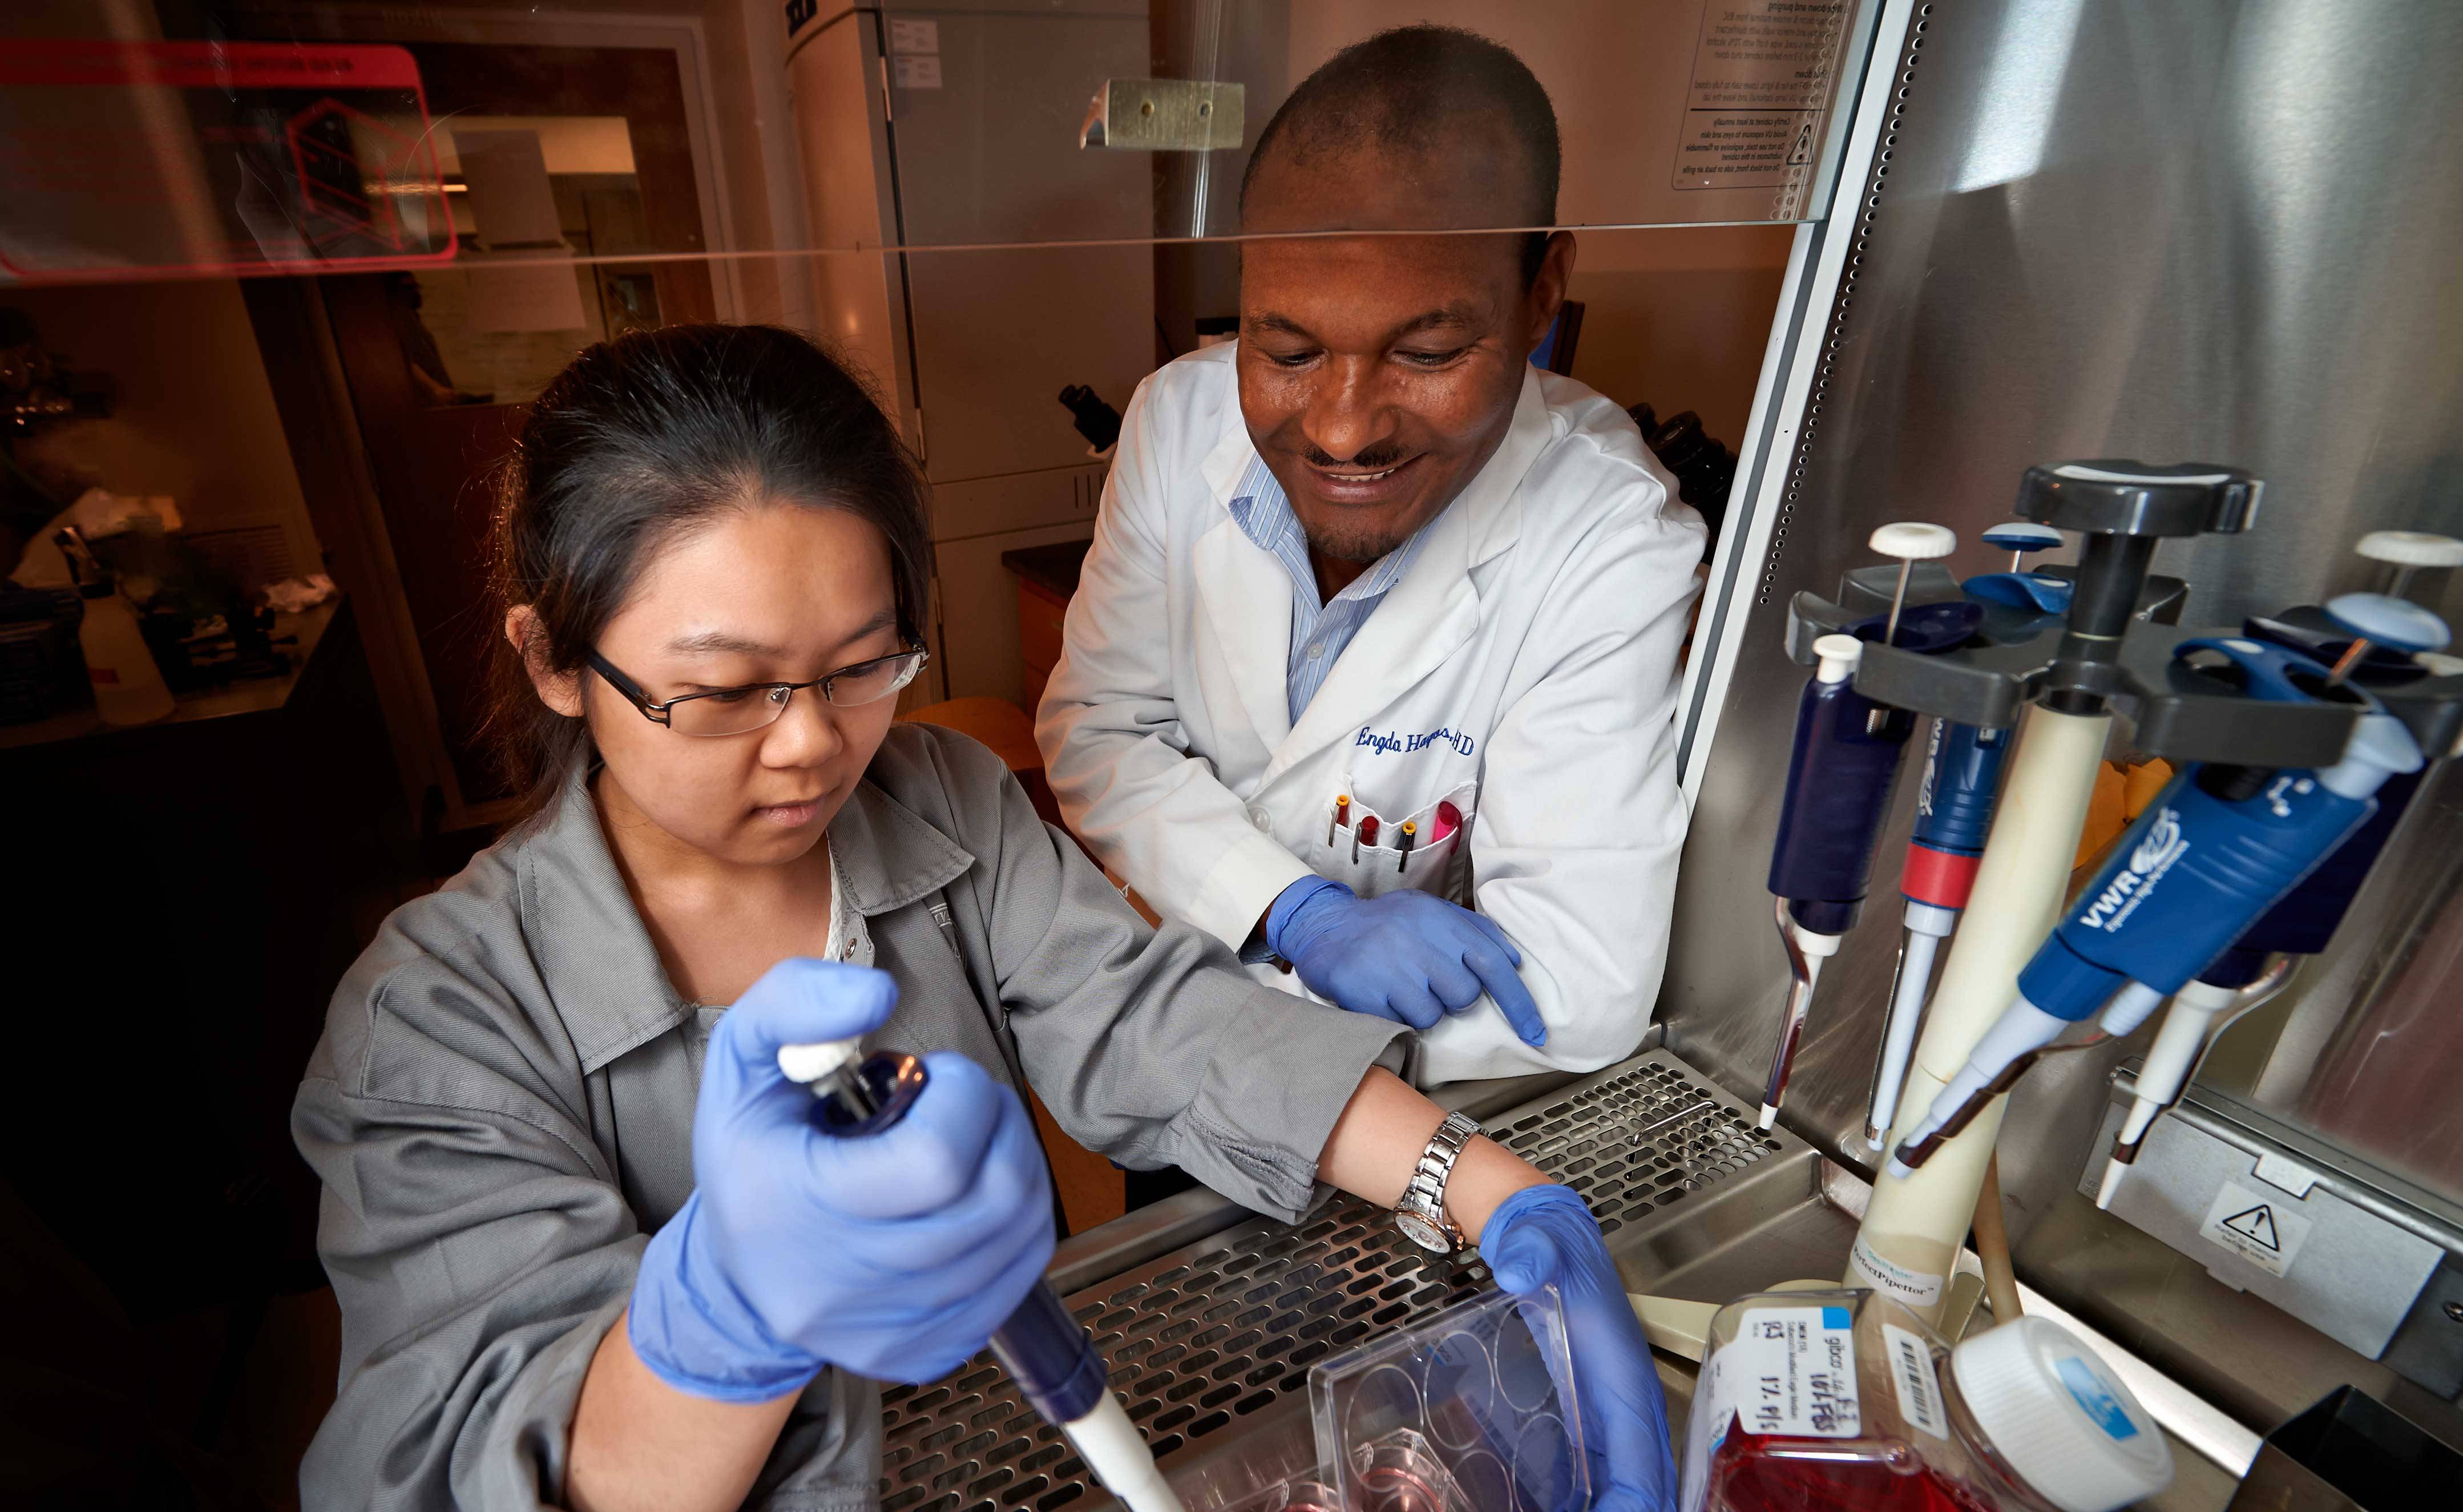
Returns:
point(1523, 670)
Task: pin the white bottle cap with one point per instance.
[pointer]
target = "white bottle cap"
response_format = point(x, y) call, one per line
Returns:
point(2059, 1418)
point(1914, 541)
point(806, 1064)
point(2412, 549)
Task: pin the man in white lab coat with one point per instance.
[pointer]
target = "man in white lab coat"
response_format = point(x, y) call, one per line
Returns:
point(1371, 669)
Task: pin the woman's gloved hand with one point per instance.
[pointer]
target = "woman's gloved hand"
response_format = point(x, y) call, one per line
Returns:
point(1542, 1235)
point(894, 1256)
point(1410, 956)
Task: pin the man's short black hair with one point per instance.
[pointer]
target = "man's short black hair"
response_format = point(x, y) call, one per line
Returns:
point(1413, 90)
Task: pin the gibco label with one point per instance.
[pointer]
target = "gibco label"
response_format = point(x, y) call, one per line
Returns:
point(1789, 1372)
point(1915, 1287)
point(2155, 856)
point(1919, 1389)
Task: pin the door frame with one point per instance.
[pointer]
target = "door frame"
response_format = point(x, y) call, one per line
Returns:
point(683, 35)
point(347, 512)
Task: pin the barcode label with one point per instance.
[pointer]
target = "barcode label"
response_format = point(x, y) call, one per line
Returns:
point(1912, 1371)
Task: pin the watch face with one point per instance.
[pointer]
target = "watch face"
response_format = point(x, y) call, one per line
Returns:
point(1423, 1233)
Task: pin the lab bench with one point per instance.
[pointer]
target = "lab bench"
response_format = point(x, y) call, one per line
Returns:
point(1210, 1316)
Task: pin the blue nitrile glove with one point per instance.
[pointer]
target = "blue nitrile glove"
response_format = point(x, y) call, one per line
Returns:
point(1542, 1235)
point(1409, 956)
point(894, 1256)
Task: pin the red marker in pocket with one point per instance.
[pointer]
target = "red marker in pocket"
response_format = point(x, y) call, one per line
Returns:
point(1366, 834)
point(1448, 819)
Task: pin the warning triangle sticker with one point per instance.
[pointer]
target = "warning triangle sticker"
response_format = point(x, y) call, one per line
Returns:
point(2257, 1224)
point(1803, 153)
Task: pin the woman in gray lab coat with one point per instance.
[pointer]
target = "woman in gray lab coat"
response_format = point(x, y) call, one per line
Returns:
point(587, 1249)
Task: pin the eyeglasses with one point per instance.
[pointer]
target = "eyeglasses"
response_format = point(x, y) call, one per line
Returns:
point(740, 711)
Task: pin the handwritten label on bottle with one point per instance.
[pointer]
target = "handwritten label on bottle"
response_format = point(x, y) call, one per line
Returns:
point(1789, 1373)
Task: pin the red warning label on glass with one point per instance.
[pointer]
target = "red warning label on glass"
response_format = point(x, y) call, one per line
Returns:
point(141, 159)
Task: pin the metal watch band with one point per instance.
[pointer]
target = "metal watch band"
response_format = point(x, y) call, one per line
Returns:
point(1424, 1198)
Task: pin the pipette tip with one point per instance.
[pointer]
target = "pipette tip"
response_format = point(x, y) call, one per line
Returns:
point(1770, 1115)
point(2111, 1183)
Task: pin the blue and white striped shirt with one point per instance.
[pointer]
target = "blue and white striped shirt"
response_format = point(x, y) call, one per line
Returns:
point(1319, 631)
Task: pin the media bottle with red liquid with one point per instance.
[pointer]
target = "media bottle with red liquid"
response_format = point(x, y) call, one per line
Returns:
point(1844, 1401)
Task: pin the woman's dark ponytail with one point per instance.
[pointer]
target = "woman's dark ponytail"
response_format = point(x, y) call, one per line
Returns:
point(651, 434)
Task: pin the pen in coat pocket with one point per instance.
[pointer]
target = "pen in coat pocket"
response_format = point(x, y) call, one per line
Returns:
point(1403, 847)
point(1341, 812)
point(1365, 830)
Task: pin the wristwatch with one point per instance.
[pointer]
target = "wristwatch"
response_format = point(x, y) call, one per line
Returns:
point(1421, 1215)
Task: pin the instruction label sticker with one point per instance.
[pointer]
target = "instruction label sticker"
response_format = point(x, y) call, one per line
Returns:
point(1789, 1372)
point(1916, 1288)
point(2266, 1231)
point(1764, 72)
point(1919, 1388)
point(915, 70)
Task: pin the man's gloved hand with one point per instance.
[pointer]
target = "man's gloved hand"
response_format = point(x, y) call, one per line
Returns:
point(894, 1256)
point(1409, 956)
point(1542, 1235)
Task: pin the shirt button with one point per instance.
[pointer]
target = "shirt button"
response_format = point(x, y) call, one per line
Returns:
point(1316, 648)
point(1258, 816)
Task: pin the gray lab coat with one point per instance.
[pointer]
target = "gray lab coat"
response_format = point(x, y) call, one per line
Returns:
point(501, 1110)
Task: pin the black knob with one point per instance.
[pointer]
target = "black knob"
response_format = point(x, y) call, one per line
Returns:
point(2121, 497)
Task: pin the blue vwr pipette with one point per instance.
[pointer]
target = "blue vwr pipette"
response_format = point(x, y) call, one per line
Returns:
point(2259, 964)
point(2215, 849)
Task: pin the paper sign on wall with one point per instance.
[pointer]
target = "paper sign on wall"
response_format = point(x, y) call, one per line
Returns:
point(1763, 74)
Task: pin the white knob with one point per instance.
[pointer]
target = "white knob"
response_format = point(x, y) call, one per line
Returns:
point(2024, 535)
point(808, 1064)
point(2396, 622)
point(1838, 655)
point(2412, 549)
point(1914, 541)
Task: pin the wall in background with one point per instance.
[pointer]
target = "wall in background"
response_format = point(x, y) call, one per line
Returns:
point(1679, 317)
point(194, 417)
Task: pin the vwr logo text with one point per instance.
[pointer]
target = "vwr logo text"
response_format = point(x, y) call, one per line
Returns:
point(2164, 845)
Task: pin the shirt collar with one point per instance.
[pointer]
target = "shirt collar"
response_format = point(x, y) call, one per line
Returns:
point(1263, 511)
point(1486, 516)
point(595, 953)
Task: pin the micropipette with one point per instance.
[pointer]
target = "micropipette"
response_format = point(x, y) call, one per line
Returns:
point(1962, 782)
point(1845, 760)
point(1954, 803)
point(1045, 1349)
point(2259, 964)
point(2220, 846)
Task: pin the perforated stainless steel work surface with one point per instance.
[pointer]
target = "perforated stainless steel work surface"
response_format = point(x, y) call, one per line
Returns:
point(1216, 1338)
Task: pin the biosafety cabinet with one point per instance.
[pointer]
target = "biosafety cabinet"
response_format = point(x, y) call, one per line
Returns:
point(1881, 257)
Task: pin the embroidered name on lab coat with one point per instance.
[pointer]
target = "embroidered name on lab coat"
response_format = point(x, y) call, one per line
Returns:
point(1389, 742)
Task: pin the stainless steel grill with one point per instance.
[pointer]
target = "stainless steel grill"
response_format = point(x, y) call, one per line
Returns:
point(1224, 1330)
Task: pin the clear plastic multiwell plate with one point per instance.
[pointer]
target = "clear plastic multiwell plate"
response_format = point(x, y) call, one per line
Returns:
point(1473, 1410)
